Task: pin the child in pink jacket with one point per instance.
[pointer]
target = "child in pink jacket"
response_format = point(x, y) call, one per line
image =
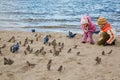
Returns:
point(88, 27)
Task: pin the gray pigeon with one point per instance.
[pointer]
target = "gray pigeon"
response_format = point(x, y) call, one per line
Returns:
point(33, 30)
point(15, 48)
point(71, 35)
point(46, 39)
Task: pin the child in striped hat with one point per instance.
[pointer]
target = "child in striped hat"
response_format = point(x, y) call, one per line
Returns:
point(107, 33)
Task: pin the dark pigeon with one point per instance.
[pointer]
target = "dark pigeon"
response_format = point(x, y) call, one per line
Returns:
point(49, 64)
point(71, 35)
point(60, 68)
point(46, 39)
point(98, 60)
point(8, 61)
point(15, 48)
point(110, 52)
point(30, 64)
point(33, 30)
point(96, 32)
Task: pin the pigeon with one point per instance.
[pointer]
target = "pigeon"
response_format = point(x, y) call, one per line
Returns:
point(60, 68)
point(36, 35)
point(25, 52)
point(12, 39)
point(30, 64)
point(25, 44)
point(110, 52)
point(71, 35)
point(41, 49)
point(36, 38)
point(50, 61)
point(78, 53)
point(48, 67)
point(0, 52)
point(59, 43)
point(46, 39)
point(62, 46)
point(26, 40)
point(103, 53)
point(4, 45)
point(98, 60)
point(54, 42)
point(96, 32)
point(49, 43)
point(37, 52)
point(19, 42)
point(31, 50)
point(60, 49)
point(75, 46)
point(56, 53)
point(49, 64)
point(8, 61)
point(43, 53)
point(31, 41)
point(15, 48)
point(50, 51)
point(49, 35)
point(69, 50)
point(33, 30)
point(28, 48)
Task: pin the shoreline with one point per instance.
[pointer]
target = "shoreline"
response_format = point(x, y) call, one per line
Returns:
point(26, 29)
point(49, 29)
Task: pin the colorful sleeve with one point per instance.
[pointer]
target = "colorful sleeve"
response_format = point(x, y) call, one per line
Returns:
point(112, 36)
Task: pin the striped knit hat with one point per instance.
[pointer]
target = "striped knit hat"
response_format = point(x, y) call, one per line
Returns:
point(102, 20)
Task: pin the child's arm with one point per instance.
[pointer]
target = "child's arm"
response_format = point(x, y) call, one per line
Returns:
point(112, 36)
point(93, 28)
point(85, 29)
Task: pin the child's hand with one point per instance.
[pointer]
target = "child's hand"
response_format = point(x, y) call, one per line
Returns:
point(105, 44)
point(85, 30)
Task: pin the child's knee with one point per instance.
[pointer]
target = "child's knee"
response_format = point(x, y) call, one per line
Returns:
point(99, 43)
point(105, 35)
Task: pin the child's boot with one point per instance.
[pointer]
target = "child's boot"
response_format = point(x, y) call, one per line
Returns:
point(84, 39)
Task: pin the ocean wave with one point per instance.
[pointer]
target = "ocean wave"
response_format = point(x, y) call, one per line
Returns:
point(50, 20)
point(23, 13)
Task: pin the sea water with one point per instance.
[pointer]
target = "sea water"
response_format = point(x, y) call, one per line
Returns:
point(56, 15)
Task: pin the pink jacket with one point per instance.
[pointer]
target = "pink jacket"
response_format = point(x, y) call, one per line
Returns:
point(91, 27)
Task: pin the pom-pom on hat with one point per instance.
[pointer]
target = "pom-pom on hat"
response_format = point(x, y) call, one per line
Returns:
point(102, 20)
point(84, 20)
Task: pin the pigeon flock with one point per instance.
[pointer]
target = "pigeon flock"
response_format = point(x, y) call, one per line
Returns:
point(56, 49)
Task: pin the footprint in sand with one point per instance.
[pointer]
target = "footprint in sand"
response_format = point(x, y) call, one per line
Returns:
point(24, 69)
point(1, 73)
point(11, 76)
point(27, 67)
point(70, 60)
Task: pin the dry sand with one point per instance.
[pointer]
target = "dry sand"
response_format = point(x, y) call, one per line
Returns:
point(74, 67)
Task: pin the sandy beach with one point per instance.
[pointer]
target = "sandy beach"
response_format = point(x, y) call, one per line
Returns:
point(61, 58)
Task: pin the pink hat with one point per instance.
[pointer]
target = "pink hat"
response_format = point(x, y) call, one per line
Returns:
point(84, 20)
